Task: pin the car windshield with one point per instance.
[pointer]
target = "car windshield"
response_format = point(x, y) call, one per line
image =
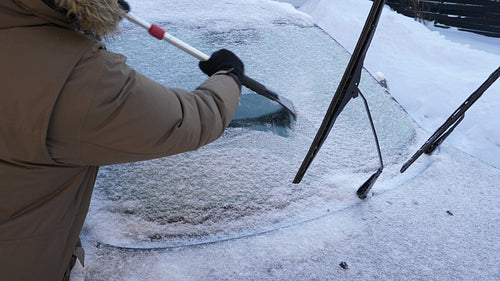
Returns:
point(242, 183)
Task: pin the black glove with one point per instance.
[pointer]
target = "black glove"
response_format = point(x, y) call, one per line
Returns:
point(224, 60)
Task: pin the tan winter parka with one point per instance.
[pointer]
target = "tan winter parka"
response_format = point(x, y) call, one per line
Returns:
point(68, 106)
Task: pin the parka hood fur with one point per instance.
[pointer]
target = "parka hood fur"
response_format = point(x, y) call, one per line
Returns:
point(97, 17)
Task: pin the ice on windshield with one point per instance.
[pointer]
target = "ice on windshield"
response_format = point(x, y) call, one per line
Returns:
point(241, 184)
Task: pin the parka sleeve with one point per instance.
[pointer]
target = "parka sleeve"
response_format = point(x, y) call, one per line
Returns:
point(109, 113)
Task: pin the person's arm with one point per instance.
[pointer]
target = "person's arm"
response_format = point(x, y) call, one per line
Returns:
point(108, 113)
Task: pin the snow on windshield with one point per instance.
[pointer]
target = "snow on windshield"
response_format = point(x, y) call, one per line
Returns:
point(241, 184)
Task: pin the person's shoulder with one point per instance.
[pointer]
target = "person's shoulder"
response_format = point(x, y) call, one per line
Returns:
point(97, 53)
point(101, 74)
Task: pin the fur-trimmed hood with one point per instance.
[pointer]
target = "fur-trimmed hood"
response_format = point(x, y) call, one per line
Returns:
point(95, 17)
point(99, 17)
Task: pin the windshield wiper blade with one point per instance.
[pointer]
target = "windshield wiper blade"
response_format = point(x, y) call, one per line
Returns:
point(347, 90)
point(452, 122)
